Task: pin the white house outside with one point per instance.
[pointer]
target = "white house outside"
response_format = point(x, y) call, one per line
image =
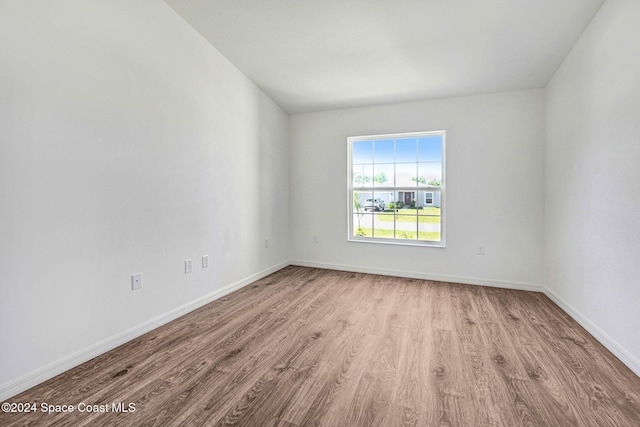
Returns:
point(423, 198)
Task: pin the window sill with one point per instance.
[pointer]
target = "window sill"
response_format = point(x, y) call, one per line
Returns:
point(420, 243)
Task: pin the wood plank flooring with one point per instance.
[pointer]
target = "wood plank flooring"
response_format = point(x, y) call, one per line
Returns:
point(306, 347)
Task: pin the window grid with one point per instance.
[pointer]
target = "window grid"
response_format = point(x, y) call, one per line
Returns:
point(372, 182)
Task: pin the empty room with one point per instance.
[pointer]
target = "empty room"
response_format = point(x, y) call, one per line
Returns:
point(336, 213)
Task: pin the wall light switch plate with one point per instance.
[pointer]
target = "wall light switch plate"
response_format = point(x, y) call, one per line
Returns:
point(136, 281)
point(188, 266)
point(205, 261)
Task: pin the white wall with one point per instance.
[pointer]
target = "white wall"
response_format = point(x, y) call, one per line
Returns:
point(494, 188)
point(593, 179)
point(127, 144)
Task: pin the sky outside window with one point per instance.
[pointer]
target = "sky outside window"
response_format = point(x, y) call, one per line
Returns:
point(430, 149)
point(362, 152)
point(383, 151)
point(402, 150)
point(406, 150)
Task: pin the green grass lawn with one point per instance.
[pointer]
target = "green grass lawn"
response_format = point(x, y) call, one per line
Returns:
point(427, 211)
point(425, 215)
point(433, 236)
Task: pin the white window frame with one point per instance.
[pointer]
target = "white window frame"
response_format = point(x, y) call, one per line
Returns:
point(350, 190)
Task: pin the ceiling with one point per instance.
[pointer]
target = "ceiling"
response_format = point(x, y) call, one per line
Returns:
point(313, 55)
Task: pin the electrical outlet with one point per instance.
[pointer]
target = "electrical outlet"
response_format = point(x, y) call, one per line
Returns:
point(205, 261)
point(316, 239)
point(188, 266)
point(266, 242)
point(480, 250)
point(136, 281)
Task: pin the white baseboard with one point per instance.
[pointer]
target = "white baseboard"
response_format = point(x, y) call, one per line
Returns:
point(522, 286)
point(40, 375)
point(619, 351)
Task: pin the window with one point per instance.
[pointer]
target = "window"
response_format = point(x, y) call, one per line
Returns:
point(396, 188)
point(428, 198)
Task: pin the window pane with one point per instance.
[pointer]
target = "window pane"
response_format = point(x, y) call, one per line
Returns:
point(430, 221)
point(384, 198)
point(406, 227)
point(383, 151)
point(360, 200)
point(407, 150)
point(406, 174)
point(362, 152)
point(430, 174)
point(383, 175)
point(383, 225)
point(362, 225)
point(430, 149)
point(362, 175)
point(403, 199)
point(374, 204)
point(429, 231)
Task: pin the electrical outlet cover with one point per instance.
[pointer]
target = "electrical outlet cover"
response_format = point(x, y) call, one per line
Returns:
point(136, 281)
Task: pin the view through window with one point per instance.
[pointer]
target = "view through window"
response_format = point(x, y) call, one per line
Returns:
point(396, 188)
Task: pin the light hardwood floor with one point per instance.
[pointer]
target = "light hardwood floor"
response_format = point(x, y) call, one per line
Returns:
point(306, 346)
